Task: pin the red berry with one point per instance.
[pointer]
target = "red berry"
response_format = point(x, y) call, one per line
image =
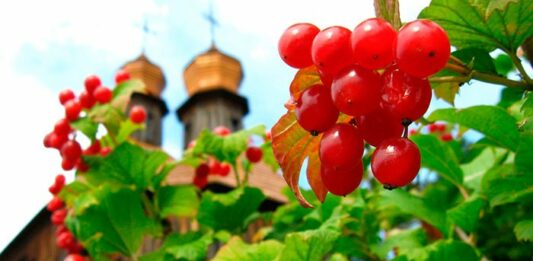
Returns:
point(315, 110)
point(75, 248)
point(55, 189)
point(441, 127)
point(412, 132)
point(373, 43)
point(58, 216)
point(395, 162)
point(356, 91)
point(60, 229)
point(331, 50)
point(432, 128)
point(137, 114)
point(404, 96)
point(378, 126)
point(221, 131)
point(422, 48)
point(56, 141)
point(341, 146)
point(71, 150)
point(65, 96)
point(191, 144)
point(121, 76)
point(200, 177)
point(87, 100)
point(200, 181)
point(60, 180)
point(81, 165)
point(294, 46)
point(225, 169)
point(254, 154)
point(202, 170)
point(268, 135)
point(446, 137)
point(102, 94)
point(72, 110)
point(105, 151)
point(214, 167)
point(74, 257)
point(55, 204)
point(67, 164)
point(342, 181)
point(62, 127)
point(91, 82)
point(65, 239)
point(47, 141)
point(93, 149)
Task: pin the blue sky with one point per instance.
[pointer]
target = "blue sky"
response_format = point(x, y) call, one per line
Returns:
point(48, 46)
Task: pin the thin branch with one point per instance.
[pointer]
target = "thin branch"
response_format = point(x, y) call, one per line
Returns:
point(520, 68)
point(236, 171)
point(456, 60)
point(468, 75)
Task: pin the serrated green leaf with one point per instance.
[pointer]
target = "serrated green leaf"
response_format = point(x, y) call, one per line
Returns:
point(475, 169)
point(237, 250)
point(189, 246)
point(86, 126)
point(403, 242)
point(449, 250)
point(467, 24)
point(503, 185)
point(179, 201)
point(439, 156)
point(493, 121)
point(467, 214)
point(116, 225)
point(229, 211)
point(309, 245)
point(126, 128)
point(487, 7)
point(524, 230)
point(410, 204)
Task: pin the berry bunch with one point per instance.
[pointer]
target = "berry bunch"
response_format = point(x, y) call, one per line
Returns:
point(378, 78)
point(441, 130)
point(64, 238)
point(214, 167)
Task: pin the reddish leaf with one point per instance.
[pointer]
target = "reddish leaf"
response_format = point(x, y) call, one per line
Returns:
point(304, 79)
point(313, 176)
point(292, 145)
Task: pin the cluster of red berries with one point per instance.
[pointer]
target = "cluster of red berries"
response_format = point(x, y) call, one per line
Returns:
point(63, 136)
point(441, 130)
point(214, 167)
point(378, 77)
point(64, 238)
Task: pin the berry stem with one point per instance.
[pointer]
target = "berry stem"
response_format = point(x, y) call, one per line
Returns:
point(237, 174)
point(520, 68)
point(389, 10)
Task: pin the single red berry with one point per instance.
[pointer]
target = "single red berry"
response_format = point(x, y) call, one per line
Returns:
point(47, 141)
point(65, 239)
point(356, 91)
point(268, 135)
point(81, 166)
point(422, 48)
point(254, 154)
point(55, 204)
point(202, 170)
point(60, 229)
point(55, 189)
point(404, 96)
point(75, 248)
point(200, 181)
point(395, 162)
point(137, 114)
point(91, 82)
point(66, 95)
point(373, 43)
point(221, 131)
point(71, 150)
point(56, 141)
point(342, 181)
point(331, 50)
point(87, 100)
point(58, 216)
point(67, 164)
point(105, 151)
point(432, 128)
point(446, 137)
point(62, 127)
point(74, 257)
point(72, 110)
point(340, 146)
point(121, 76)
point(214, 167)
point(315, 110)
point(102, 94)
point(412, 132)
point(60, 180)
point(191, 144)
point(378, 126)
point(441, 127)
point(225, 169)
point(295, 43)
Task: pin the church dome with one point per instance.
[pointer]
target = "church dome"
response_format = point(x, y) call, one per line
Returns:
point(213, 70)
point(152, 75)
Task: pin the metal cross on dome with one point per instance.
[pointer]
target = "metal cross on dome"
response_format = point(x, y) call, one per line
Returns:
point(212, 22)
point(146, 31)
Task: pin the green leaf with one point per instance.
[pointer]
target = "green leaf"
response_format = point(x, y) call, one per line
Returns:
point(86, 126)
point(410, 204)
point(467, 214)
point(126, 164)
point(229, 211)
point(493, 121)
point(403, 241)
point(268, 156)
point(446, 91)
point(489, 6)
point(475, 169)
point(510, 96)
point(524, 230)
point(126, 88)
point(237, 250)
point(527, 106)
point(439, 156)
point(179, 201)
point(504, 64)
point(309, 245)
point(524, 154)
point(503, 185)
point(470, 24)
point(108, 115)
point(116, 224)
point(450, 250)
point(479, 59)
point(127, 127)
point(190, 246)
